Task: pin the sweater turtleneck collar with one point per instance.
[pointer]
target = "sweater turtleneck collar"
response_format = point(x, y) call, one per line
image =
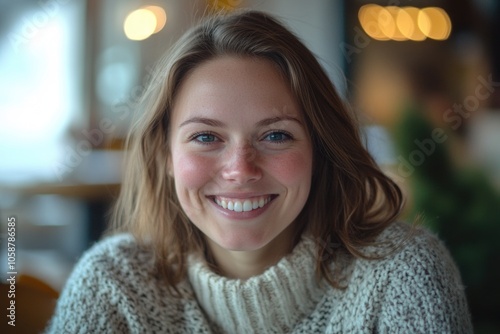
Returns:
point(273, 301)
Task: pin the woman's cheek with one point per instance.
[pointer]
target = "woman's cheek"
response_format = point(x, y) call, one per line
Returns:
point(291, 168)
point(193, 171)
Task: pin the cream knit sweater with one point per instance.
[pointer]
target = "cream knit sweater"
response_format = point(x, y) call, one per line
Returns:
point(113, 289)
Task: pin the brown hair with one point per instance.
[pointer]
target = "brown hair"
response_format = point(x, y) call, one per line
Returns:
point(351, 201)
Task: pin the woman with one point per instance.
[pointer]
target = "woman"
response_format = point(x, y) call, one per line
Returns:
point(250, 205)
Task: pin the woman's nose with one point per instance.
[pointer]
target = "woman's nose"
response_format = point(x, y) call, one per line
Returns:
point(241, 165)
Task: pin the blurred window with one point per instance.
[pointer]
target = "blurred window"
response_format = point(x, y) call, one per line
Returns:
point(41, 68)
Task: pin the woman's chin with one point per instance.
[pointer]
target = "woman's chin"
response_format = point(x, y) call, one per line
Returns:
point(239, 244)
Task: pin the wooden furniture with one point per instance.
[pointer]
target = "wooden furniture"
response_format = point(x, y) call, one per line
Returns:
point(35, 302)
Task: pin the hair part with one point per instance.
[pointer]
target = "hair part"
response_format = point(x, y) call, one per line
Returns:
point(350, 202)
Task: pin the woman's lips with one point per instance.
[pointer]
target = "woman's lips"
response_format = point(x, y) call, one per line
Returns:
point(242, 205)
point(239, 204)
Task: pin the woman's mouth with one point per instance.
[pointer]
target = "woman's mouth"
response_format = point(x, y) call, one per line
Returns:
point(243, 205)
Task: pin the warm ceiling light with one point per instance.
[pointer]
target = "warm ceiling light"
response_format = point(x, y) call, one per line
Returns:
point(386, 23)
point(434, 23)
point(161, 17)
point(407, 21)
point(368, 17)
point(392, 23)
point(140, 24)
point(143, 22)
point(404, 23)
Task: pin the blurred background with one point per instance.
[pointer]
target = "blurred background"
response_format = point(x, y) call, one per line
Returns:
point(422, 76)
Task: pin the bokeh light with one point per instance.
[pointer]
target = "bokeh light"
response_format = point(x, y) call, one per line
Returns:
point(408, 24)
point(143, 22)
point(140, 24)
point(435, 23)
point(404, 23)
point(161, 17)
point(368, 17)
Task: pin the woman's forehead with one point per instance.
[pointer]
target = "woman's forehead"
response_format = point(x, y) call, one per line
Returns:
point(233, 85)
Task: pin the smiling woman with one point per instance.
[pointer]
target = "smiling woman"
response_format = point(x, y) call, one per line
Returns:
point(250, 205)
point(235, 142)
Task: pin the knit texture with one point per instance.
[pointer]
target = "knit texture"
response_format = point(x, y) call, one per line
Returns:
point(417, 289)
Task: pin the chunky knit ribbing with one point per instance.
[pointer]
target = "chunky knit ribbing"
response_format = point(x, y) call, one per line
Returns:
point(272, 302)
point(113, 289)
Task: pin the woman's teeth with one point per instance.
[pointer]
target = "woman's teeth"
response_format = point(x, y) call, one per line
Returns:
point(245, 205)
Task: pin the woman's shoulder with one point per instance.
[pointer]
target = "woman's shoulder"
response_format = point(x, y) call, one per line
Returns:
point(407, 240)
point(410, 259)
point(114, 288)
point(121, 252)
point(115, 262)
point(415, 279)
point(123, 245)
point(403, 245)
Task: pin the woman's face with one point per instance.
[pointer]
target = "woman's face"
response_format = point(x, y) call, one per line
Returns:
point(240, 153)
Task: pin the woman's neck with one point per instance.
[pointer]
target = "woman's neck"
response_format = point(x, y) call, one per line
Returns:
point(245, 264)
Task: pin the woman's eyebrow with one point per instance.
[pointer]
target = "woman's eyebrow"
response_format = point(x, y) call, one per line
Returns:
point(272, 120)
point(203, 120)
point(217, 123)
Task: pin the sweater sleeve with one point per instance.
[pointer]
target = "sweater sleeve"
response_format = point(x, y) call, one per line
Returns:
point(424, 292)
point(96, 298)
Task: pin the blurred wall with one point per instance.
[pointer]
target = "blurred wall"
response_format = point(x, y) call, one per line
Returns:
point(320, 25)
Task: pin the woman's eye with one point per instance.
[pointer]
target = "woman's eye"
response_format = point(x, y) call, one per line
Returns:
point(205, 138)
point(278, 137)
